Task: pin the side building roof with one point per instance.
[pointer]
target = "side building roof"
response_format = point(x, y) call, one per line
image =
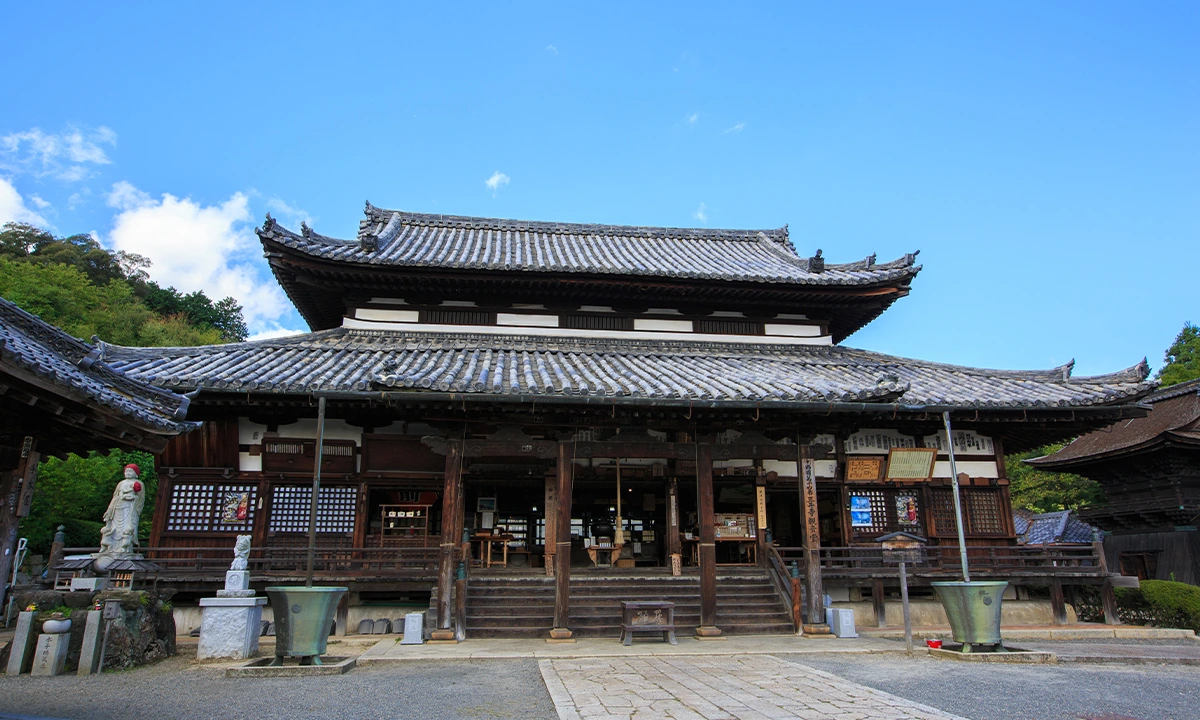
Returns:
point(49, 364)
point(1173, 419)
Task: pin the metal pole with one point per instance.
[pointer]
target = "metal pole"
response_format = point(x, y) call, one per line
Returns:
point(958, 516)
point(312, 507)
point(907, 614)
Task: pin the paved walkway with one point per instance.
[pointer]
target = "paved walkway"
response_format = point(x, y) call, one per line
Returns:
point(745, 687)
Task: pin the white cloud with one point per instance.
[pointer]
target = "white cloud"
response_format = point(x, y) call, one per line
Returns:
point(289, 215)
point(692, 119)
point(198, 247)
point(701, 213)
point(496, 181)
point(275, 332)
point(740, 126)
point(13, 208)
point(551, 48)
point(37, 200)
point(78, 198)
point(68, 156)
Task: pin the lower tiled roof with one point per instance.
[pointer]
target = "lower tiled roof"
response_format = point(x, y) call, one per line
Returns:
point(344, 359)
point(79, 371)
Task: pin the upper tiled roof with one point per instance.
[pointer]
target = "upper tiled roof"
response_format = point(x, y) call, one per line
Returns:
point(80, 373)
point(413, 240)
point(345, 359)
point(1175, 417)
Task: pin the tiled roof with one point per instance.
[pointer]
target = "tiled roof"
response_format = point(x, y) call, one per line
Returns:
point(1053, 527)
point(81, 374)
point(1175, 417)
point(413, 240)
point(345, 359)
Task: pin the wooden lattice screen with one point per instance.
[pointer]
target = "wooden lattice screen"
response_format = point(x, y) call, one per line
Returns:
point(198, 507)
point(290, 505)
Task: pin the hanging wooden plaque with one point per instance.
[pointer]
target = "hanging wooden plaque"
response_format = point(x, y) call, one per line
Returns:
point(911, 463)
point(866, 468)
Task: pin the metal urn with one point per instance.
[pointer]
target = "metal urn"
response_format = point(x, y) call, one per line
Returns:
point(303, 616)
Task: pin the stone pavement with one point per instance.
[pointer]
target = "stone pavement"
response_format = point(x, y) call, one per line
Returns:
point(389, 649)
point(717, 687)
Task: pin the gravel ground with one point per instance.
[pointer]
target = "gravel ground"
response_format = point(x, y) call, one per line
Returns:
point(182, 689)
point(1036, 692)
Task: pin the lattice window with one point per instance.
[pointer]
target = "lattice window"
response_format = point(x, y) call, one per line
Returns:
point(336, 508)
point(942, 511)
point(283, 447)
point(868, 512)
point(457, 317)
point(982, 509)
point(729, 327)
point(982, 512)
point(212, 508)
point(597, 322)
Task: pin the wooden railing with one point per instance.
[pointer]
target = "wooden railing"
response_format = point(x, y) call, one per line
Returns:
point(781, 579)
point(203, 564)
point(942, 562)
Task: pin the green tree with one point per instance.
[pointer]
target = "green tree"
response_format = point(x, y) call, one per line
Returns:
point(1182, 361)
point(1044, 491)
point(75, 492)
point(224, 316)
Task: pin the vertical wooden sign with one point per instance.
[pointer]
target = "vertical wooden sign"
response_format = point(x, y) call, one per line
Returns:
point(808, 504)
point(28, 470)
point(761, 505)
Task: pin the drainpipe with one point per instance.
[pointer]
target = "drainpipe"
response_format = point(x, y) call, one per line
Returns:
point(958, 516)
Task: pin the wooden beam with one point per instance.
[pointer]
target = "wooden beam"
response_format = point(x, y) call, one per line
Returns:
point(11, 491)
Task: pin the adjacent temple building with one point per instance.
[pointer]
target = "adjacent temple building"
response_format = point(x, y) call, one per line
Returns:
point(562, 416)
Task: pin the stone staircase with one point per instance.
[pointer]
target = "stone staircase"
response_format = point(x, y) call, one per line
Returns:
point(523, 606)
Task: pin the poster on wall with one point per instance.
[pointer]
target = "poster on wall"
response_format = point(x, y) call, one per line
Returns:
point(860, 511)
point(906, 509)
point(235, 507)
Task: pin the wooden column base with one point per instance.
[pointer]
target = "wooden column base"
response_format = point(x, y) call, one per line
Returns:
point(561, 635)
point(815, 630)
point(444, 636)
point(709, 633)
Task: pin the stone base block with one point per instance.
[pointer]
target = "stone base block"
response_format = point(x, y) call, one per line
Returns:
point(21, 655)
point(331, 665)
point(50, 657)
point(89, 652)
point(229, 628)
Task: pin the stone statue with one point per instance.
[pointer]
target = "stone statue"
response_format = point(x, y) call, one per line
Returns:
point(241, 551)
point(119, 536)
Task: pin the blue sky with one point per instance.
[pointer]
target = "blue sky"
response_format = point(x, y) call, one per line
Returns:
point(1044, 157)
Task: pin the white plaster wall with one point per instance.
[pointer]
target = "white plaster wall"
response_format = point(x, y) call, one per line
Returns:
point(787, 468)
point(522, 320)
point(404, 316)
point(973, 468)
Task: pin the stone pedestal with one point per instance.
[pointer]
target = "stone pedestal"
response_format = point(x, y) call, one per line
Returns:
point(50, 657)
point(89, 652)
point(21, 655)
point(229, 627)
point(414, 629)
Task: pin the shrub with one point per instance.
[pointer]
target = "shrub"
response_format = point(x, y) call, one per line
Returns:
point(1161, 602)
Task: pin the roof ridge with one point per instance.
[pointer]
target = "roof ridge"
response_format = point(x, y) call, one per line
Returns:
point(1174, 391)
point(377, 214)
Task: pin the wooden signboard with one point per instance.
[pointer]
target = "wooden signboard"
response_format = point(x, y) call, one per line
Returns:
point(862, 469)
point(761, 506)
point(911, 463)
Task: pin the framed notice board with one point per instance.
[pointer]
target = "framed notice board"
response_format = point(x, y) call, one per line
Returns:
point(910, 463)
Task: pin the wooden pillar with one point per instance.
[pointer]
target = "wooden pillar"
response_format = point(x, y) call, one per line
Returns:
point(451, 500)
point(1109, 599)
point(16, 495)
point(708, 543)
point(562, 548)
point(1058, 605)
point(550, 511)
point(674, 545)
point(878, 598)
point(812, 544)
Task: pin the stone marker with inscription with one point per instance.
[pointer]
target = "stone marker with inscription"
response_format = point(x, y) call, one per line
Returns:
point(89, 652)
point(232, 621)
point(414, 629)
point(50, 657)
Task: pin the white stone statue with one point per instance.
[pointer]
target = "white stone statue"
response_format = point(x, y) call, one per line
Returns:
point(119, 536)
point(241, 552)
